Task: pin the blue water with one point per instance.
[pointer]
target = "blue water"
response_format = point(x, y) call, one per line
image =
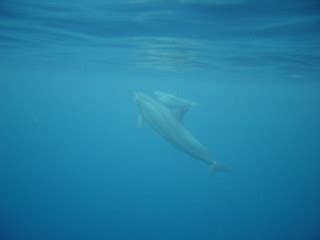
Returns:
point(74, 164)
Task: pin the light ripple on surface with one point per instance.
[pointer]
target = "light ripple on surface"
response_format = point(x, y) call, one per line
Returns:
point(157, 34)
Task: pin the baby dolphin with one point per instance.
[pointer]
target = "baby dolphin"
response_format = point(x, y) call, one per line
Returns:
point(169, 126)
point(173, 101)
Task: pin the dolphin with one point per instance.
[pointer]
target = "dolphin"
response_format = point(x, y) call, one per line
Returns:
point(173, 101)
point(169, 126)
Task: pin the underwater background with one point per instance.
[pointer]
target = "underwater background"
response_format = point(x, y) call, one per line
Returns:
point(74, 164)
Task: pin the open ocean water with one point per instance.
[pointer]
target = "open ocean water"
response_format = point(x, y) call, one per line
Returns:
point(74, 164)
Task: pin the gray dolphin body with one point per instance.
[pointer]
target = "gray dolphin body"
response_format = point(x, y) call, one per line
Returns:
point(170, 127)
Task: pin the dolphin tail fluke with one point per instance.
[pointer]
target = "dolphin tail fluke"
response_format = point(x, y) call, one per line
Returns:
point(218, 167)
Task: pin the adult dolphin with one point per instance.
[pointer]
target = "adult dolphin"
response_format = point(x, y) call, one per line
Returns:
point(169, 126)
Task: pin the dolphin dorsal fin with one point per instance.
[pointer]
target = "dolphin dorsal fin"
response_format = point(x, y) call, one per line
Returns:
point(179, 114)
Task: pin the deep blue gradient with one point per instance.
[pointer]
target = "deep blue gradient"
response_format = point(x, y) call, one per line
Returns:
point(74, 164)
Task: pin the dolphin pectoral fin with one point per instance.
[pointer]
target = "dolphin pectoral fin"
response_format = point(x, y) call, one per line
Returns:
point(179, 114)
point(217, 167)
point(140, 121)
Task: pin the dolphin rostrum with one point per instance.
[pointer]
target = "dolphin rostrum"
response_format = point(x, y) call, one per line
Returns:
point(169, 126)
point(173, 101)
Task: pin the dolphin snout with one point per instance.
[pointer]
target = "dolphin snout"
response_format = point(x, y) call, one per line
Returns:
point(133, 94)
